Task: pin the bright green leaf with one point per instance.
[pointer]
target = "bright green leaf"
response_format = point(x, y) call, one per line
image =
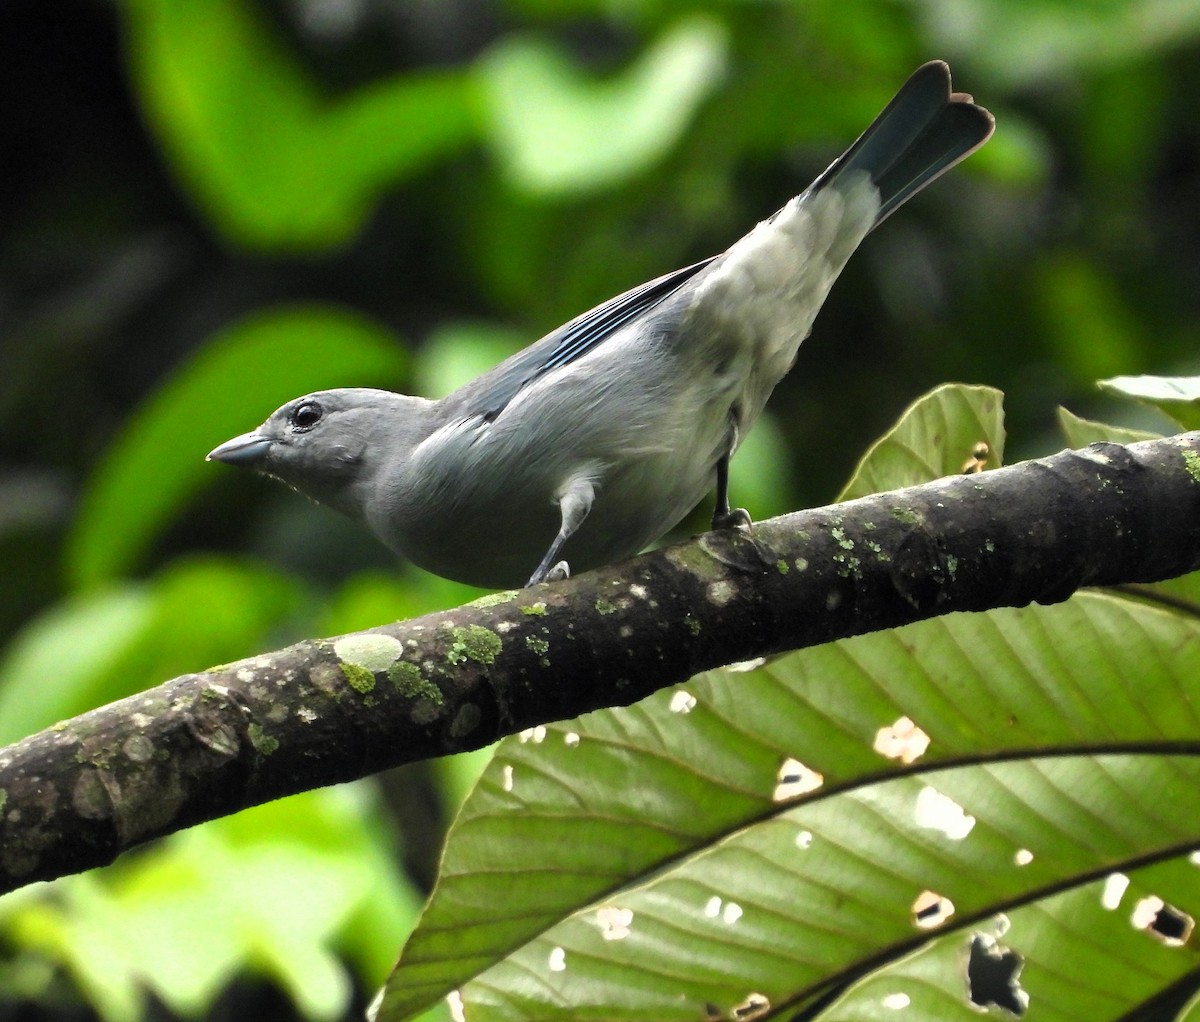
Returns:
point(60, 663)
point(1175, 396)
point(112, 642)
point(456, 353)
point(558, 132)
point(230, 386)
point(273, 161)
point(937, 435)
point(285, 891)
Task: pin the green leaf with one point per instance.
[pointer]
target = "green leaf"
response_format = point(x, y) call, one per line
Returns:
point(230, 386)
point(937, 435)
point(560, 133)
point(1176, 396)
point(933, 983)
point(771, 835)
point(1081, 432)
point(273, 162)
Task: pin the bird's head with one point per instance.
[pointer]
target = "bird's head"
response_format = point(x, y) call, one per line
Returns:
point(329, 445)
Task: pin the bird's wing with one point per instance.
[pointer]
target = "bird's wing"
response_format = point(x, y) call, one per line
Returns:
point(488, 395)
point(583, 333)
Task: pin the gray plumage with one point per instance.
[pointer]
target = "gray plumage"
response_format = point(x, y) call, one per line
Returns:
point(596, 440)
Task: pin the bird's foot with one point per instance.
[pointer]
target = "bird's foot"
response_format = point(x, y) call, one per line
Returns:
point(560, 571)
point(733, 518)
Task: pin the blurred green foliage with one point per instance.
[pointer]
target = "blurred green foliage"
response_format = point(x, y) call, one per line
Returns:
point(212, 206)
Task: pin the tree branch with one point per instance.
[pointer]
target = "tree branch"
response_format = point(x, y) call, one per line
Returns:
point(329, 710)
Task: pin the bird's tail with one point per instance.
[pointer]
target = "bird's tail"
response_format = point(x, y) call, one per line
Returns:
point(923, 132)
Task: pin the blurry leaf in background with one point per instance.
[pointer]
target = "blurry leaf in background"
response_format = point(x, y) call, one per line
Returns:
point(1126, 118)
point(759, 473)
point(60, 663)
point(370, 598)
point(230, 386)
point(273, 162)
point(558, 132)
point(455, 353)
point(1019, 45)
point(1175, 396)
point(1081, 304)
point(1081, 432)
point(1019, 156)
point(281, 891)
point(937, 435)
point(114, 641)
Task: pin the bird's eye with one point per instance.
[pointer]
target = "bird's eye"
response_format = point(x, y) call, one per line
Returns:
point(306, 415)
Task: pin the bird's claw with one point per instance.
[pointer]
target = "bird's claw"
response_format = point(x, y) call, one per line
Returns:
point(734, 518)
point(557, 573)
point(561, 571)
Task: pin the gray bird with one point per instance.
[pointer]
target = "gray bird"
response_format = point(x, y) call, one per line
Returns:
point(596, 440)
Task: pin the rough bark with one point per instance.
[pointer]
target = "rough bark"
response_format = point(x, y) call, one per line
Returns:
point(329, 710)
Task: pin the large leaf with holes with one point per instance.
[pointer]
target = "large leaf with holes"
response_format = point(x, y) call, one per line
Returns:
point(758, 843)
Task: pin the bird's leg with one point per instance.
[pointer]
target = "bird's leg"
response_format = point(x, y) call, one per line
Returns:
point(574, 504)
point(725, 517)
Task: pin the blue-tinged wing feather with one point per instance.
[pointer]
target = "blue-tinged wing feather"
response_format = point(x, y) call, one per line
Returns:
point(488, 395)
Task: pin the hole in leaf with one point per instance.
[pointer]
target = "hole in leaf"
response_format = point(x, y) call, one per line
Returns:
point(1162, 921)
point(754, 1006)
point(795, 779)
point(930, 909)
point(1114, 890)
point(682, 701)
point(936, 811)
point(614, 922)
point(993, 976)
point(902, 740)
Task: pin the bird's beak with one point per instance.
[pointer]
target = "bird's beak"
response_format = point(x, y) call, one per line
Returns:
point(247, 449)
